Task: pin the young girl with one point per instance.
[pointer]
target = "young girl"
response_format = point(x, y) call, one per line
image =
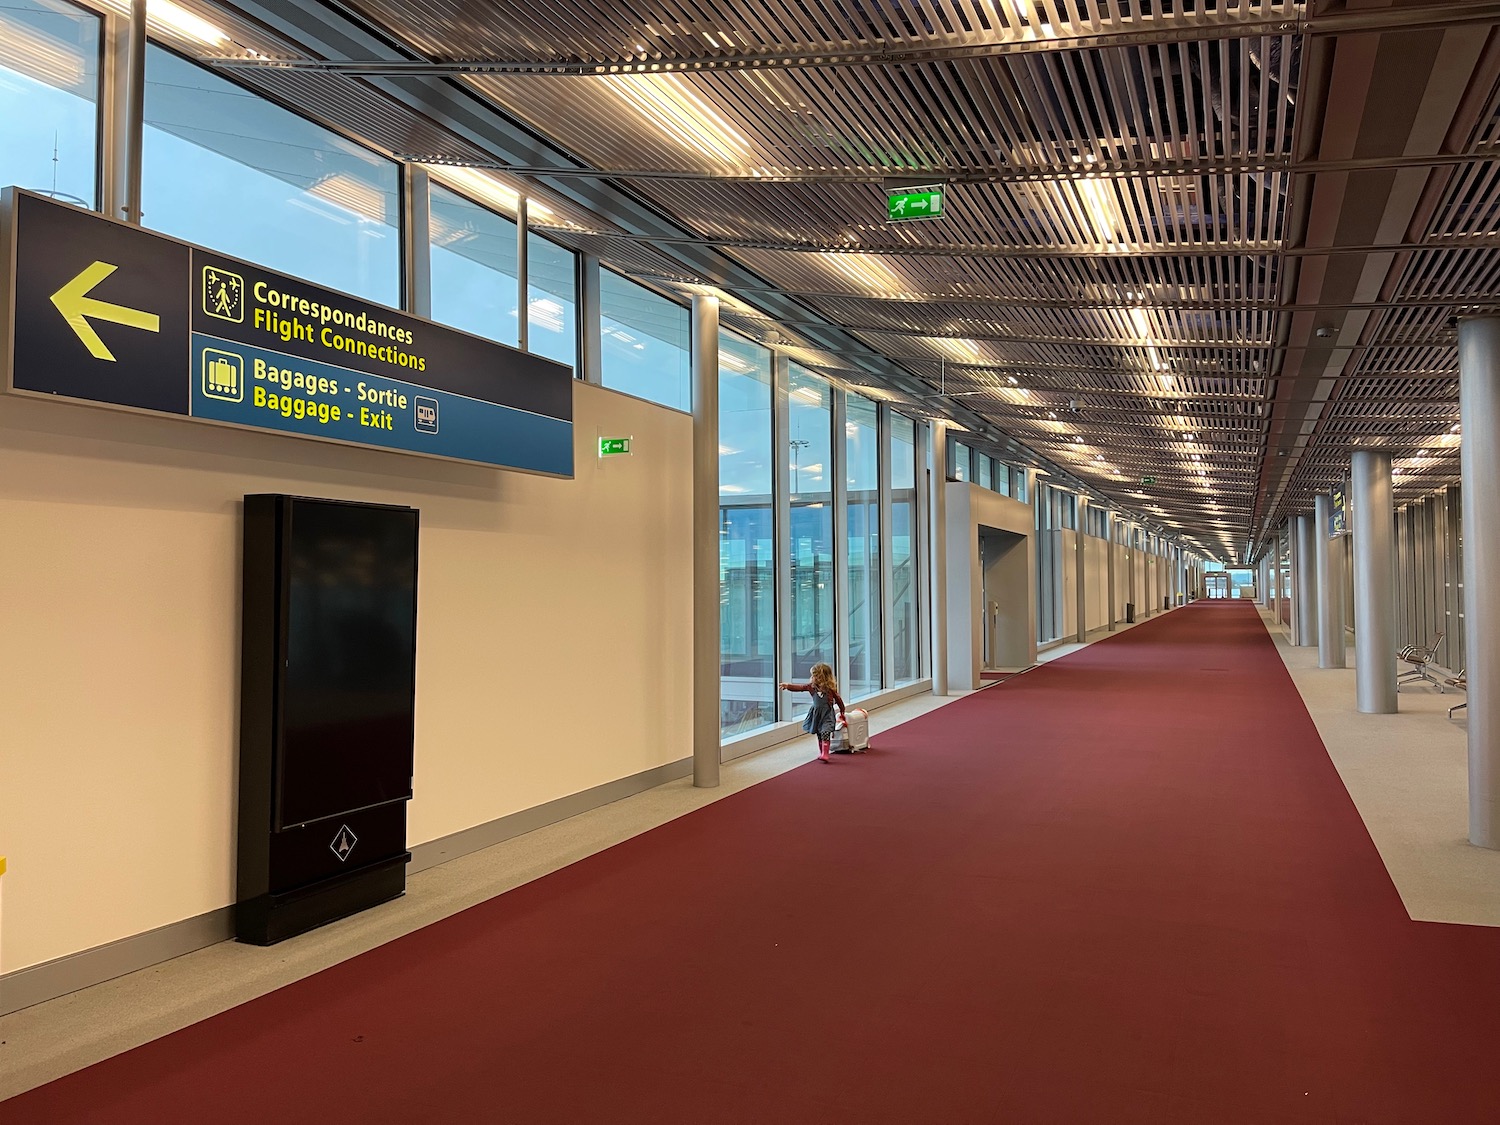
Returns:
point(825, 697)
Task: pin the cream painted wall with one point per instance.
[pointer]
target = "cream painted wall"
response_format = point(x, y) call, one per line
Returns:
point(1067, 543)
point(970, 508)
point(1096, 581)
point(119, 588)
point(1124, 557)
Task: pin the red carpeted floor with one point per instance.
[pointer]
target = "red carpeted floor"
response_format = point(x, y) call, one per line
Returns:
point(1127, 888)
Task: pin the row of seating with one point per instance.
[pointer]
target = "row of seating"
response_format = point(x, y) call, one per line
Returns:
point(1421, 667)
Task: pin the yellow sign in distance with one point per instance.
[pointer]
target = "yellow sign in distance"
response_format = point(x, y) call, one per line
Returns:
point(74, 302)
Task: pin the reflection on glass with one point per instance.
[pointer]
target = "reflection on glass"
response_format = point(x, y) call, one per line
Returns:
point(49, 99)
point(551, 300)
point(960, 461)
point(644, 343)
point(905, 628)
point(747, 574)
point(473, 267)
point(809, 425)
point(862, 464)
point(230, 170)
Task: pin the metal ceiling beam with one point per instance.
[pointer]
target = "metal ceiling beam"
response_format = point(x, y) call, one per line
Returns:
point(1141, 31)
point(1020, 174)
point(1163, 344)
point(1071, 304)
point(973, 250)
point(1175, 345)
point(927, 367)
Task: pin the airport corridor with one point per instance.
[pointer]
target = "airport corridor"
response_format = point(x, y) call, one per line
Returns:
point(1127, 886)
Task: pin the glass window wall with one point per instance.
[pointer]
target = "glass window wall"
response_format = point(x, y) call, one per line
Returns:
point(906, 629)
point(49, 99)
point(811, 551)
point(862, 472)
point(473, 267)
point(232, 171)
point(551, 300)
point(747, 571)
point(960, 461)
point(645, 349)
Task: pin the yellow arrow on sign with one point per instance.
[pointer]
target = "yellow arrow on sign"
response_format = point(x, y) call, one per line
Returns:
point(74, 302)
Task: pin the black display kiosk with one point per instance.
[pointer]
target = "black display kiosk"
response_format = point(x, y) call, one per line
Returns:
point(327, 701)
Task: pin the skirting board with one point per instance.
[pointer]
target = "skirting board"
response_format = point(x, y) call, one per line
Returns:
point(494, 832)
point(51, 979)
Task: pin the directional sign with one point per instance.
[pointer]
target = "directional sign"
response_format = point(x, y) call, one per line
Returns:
point(611, 446)
point(914, 203)
point(108, 313)
point(1338, 512)
point(1148, 480)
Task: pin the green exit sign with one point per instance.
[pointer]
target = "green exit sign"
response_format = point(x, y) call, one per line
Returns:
point(914, 203)
point(1148, 480)
point(610, 446)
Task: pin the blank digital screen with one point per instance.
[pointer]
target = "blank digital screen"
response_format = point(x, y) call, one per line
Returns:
point(349, 696)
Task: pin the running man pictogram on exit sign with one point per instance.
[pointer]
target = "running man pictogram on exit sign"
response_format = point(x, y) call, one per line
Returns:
point(914, 203)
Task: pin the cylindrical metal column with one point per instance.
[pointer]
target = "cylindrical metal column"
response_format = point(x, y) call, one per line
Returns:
point(1374, 583)
point(706, 594)
point(416, 242)
point(938, 505)
point(1291, 578)
point(590, 342)
point(1275, 578)
point(1330, 587)
point(1479, 406)
point(135, 111)
point(1307, 582)
point(523, 285)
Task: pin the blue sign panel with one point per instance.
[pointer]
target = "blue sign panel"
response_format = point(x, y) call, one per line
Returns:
point(273, 391)
point(109, 313)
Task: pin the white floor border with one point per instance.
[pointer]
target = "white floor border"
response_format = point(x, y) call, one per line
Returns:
point(1408, 776)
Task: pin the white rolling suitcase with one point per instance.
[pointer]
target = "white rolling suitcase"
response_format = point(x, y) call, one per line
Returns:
point(857, 730)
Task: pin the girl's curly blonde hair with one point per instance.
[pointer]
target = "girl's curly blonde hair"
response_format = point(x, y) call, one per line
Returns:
point(822, 678)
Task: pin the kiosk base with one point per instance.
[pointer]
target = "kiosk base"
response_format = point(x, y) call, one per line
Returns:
point(269, 918)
